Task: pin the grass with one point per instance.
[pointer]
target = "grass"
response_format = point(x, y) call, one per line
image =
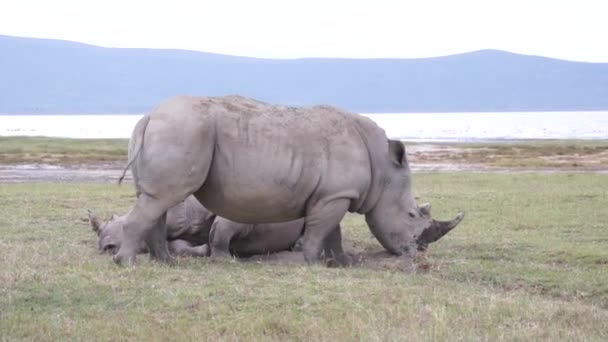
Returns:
point(61, 151)
point(570, 154)
point(527, 263)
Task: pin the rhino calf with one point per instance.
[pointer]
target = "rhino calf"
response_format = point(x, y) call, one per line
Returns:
point(244, 240)
point(192, 229)
point(188, 225)
point(232, 238)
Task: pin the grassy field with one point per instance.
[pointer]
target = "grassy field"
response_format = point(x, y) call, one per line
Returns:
point(529, 262)
point(62, 151)
point(535, 154)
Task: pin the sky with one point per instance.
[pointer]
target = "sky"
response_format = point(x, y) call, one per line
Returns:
point(566, 29)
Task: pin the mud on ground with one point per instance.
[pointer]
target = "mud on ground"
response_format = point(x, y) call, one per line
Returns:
point(375, 258)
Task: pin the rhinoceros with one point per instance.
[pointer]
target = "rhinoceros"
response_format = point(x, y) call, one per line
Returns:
point(192, 230)
point(188, 226)
point(253, 162)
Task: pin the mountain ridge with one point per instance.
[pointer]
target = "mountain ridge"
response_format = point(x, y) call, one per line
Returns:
point(56, 76)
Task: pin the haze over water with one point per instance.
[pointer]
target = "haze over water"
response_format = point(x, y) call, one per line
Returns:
point(407, 126)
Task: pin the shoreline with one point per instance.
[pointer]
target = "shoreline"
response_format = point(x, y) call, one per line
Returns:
point(45, 174)
point(39, 159)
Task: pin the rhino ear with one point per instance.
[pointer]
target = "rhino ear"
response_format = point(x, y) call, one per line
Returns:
point(396, 151)
point(95, 222)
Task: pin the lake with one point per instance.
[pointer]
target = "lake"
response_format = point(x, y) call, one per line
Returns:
point(406, 126)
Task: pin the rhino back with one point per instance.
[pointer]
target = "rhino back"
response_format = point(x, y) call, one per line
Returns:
point(271, 161)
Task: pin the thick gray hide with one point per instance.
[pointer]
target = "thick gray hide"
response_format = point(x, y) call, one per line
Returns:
point(245, 240)
point(256, 163)
point(189, 226)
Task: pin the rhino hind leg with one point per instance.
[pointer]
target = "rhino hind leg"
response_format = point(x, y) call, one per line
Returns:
point(321, 223)
point(156, 241)
point(146, 222)
point(334, 254)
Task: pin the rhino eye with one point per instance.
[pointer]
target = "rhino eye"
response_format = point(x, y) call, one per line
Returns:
point(412, 214)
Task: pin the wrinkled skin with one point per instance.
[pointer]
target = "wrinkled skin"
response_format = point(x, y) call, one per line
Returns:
point(188, 226)
point(191, 228)
point(252, 162)
point(244, 240)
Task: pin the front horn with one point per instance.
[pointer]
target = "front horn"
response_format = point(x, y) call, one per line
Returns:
point(436, 231)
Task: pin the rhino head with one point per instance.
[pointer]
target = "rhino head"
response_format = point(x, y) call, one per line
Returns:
point(401, 225)
point(109, 233)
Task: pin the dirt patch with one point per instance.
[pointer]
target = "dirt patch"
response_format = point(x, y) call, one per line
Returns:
point(374, 260)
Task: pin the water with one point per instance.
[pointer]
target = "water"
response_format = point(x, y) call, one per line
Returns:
point(421, 127)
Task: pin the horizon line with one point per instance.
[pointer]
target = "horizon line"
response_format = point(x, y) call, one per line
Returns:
point(466, 52)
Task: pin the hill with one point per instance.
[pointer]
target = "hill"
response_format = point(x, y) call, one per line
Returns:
point(54, 76)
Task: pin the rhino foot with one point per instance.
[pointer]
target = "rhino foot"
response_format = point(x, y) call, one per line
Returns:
point(341, 260)
point(203, 251)
point(164, 258)
point(220, 254)
point(200, 251)
point(409, 265)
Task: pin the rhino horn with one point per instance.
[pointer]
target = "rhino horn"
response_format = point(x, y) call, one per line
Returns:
point(436, 231)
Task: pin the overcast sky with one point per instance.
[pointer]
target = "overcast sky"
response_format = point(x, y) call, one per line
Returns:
point(567, 29)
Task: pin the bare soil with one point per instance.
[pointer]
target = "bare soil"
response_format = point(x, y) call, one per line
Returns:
point(374, 259)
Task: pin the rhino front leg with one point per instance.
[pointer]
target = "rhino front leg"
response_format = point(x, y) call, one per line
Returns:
point(222, 232)
point(334, 253)
point(322, 222)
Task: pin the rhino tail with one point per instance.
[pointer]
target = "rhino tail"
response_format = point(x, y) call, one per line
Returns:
point(138, 136)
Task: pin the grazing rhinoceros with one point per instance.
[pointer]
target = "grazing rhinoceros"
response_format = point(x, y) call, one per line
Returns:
point(257, 163)
point(191, 229)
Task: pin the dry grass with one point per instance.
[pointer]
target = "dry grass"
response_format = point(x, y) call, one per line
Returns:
point(528, 263)
point(533, 154)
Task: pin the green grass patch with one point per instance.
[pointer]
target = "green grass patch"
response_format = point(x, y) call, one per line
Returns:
point(559, 154)
point(61, 151)
point(528, 263)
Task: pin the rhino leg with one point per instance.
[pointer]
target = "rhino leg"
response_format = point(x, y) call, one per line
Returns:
point(222, 232)
point(322, 221)
point(334, 253)
point(184, 248)
point(156, 241)
point(145, 223)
